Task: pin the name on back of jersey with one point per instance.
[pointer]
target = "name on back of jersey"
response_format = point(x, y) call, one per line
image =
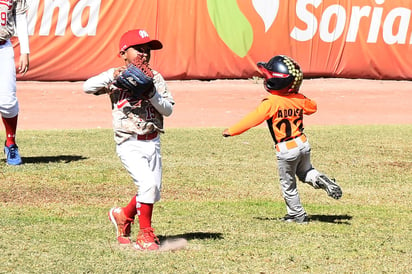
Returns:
point(289, 112)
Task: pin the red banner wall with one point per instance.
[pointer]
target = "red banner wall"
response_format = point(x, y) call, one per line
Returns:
point(208, 39)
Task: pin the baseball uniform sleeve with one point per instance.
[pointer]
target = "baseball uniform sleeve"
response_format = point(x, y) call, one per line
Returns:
point(162, 100)
point(162, 105)
point(254, 118)
point(22, 6)
point(22, 32)
point(310, 106)
point(100, 83)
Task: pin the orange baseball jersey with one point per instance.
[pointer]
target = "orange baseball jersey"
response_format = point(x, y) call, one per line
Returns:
point(284, 115)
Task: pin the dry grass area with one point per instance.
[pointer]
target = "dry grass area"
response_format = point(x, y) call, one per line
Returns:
point(221, 195)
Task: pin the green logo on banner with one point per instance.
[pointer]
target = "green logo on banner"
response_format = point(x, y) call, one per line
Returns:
point(231, 25)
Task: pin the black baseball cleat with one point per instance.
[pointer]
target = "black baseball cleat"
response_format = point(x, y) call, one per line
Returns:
point(303, 219)
point(329, 186)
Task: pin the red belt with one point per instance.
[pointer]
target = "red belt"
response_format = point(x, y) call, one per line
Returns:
point(292, 143)
point(147, 137)
point(2, 42)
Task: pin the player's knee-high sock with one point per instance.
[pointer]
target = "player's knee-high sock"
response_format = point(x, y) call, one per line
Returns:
point(145, 215)
point(10, 125)
point(130, 210)
point(311, 177)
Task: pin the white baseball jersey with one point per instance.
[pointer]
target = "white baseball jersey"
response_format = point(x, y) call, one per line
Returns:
point(130, 115)
point(8, 11)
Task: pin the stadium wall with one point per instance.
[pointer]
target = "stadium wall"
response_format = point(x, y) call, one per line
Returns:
point(215, 39)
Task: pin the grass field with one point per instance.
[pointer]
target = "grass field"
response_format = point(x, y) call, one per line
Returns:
point(222, 195)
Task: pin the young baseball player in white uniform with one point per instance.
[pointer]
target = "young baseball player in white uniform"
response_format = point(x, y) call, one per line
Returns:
point(137, 126)
point(13, 19)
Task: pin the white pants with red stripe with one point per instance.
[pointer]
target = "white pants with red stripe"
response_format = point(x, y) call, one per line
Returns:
point(9, 106)
point(143, 160)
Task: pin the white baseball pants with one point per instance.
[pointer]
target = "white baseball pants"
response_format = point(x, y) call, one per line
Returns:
point(9, 106)
point(143, 161)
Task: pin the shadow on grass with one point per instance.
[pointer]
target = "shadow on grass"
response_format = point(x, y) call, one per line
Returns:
point(52, 159)
point(193, 236)
point(336, 219)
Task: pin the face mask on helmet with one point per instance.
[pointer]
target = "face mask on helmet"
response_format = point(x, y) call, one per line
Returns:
point(282, 75)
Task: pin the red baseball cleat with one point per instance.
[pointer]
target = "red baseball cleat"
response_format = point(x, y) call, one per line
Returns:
point(122, 225)
point(147, 240)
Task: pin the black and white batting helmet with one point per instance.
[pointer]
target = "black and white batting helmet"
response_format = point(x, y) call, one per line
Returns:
point(282, 75)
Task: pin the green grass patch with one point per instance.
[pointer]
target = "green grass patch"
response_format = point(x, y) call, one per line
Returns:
point(222, 195)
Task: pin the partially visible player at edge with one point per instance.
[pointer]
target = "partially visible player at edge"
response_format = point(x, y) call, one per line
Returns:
point(283, 110)
point(137, 125)
point(13, 20)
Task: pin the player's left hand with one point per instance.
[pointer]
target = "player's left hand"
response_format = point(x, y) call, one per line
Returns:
point(226, 133)
point(137, 78)
point(24, 63)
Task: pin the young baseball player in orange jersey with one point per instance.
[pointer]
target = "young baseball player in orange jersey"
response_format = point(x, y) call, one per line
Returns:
point(137, 126)
point(283, 110)
point(13, 19)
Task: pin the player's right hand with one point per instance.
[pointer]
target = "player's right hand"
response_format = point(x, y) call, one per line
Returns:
point(24, 63)
point(226, 133)
point(118, 71)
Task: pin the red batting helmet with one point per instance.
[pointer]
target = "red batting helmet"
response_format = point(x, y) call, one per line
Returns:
point(282, 75)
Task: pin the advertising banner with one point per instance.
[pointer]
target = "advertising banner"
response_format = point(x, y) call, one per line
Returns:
point(209, 39)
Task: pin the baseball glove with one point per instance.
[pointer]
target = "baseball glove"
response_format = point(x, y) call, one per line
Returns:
point(137, 78)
